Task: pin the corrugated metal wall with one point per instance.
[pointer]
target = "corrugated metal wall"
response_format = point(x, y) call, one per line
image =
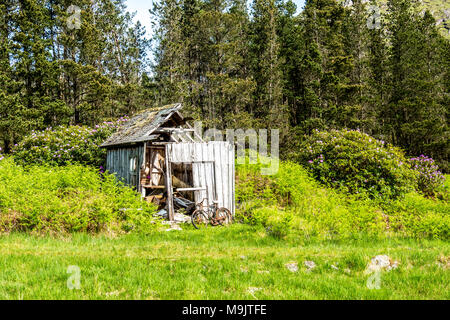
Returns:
point(118, 161)
point(213, 168)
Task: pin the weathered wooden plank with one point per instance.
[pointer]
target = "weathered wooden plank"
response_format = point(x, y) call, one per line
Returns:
point(225, 176)
point(218, 173)
point(207, 173)
point(213, 179)
point(233, 180)
point(168, 179)
point(191, 189)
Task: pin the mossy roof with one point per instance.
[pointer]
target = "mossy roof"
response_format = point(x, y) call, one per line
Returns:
point(141, 126)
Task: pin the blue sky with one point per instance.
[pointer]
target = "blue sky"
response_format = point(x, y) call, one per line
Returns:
point(141, 8)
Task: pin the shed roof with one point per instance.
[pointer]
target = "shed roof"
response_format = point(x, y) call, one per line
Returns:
point(142, 125)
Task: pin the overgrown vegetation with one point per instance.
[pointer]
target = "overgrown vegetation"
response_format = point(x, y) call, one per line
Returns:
point(333, 65)
point(356, 163)
point(233, 64)
point(429, 178)
point(292, 202)
point(66, 144)
point(67, 199)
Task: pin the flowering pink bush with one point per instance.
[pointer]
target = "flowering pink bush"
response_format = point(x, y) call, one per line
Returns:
point(357, 163)
point(1, 156)
point(429, 177)
point(64, 145)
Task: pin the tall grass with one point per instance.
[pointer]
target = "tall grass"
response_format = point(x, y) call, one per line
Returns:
point(73, 198)
point(239, 262)
point(293, 202)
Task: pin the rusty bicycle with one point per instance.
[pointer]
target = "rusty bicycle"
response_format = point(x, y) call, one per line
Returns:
point(210, 214)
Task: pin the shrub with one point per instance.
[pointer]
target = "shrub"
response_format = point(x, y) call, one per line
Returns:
point(64, 145)
point(292, 202)
point(357, 163)
point(419, 217)
point(73, 198)
point(429, 177)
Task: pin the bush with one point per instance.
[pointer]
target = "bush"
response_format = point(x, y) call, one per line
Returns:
point(64, 145)
point(357, 163)
point(419, 217)
point(68, 199)
point(429, 179)
point(292, 202)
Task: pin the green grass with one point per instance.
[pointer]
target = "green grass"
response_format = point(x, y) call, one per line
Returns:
point(220, 263)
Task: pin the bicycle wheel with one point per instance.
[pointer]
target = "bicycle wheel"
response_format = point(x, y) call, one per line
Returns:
point(223, 216)
point(199, 219)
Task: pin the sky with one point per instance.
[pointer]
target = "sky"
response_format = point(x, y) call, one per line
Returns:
point(141, 8)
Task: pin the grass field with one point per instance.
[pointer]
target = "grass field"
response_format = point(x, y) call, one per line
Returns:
point(238, 262)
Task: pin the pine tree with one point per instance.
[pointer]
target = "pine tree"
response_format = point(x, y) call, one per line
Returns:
point(208, 45)
point(268, 102)
point(328, 91)
point(169, 52)
point(416, 115)
point(292, 47)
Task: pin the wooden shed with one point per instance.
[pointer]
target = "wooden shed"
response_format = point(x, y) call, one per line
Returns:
point(160, 155)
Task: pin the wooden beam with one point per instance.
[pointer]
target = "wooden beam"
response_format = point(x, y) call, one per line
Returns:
point(164, 130)
point(191, 189)
point(174, 138)
point(179, 136)
point(144, 159)
point(190, 138)
point(195, 132)
point(169, 185)
point(152, 187)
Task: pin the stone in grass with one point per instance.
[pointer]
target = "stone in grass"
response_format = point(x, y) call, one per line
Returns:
point(334, 267)
point(444, 262)
point(174, 227)
point(310, 265)
point(381, 263)
point(292, 266)
point(181, 218)
point(253, 290)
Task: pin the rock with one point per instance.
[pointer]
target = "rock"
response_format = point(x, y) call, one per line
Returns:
point(162, 213)
point(380, 263)
point(292, 266)
point(310, 265)
point(182, 218)
point(114, 293)
point(393, 266)
point(178, 217)
point(444, 262)
point(174, 227)
point(252, 290)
